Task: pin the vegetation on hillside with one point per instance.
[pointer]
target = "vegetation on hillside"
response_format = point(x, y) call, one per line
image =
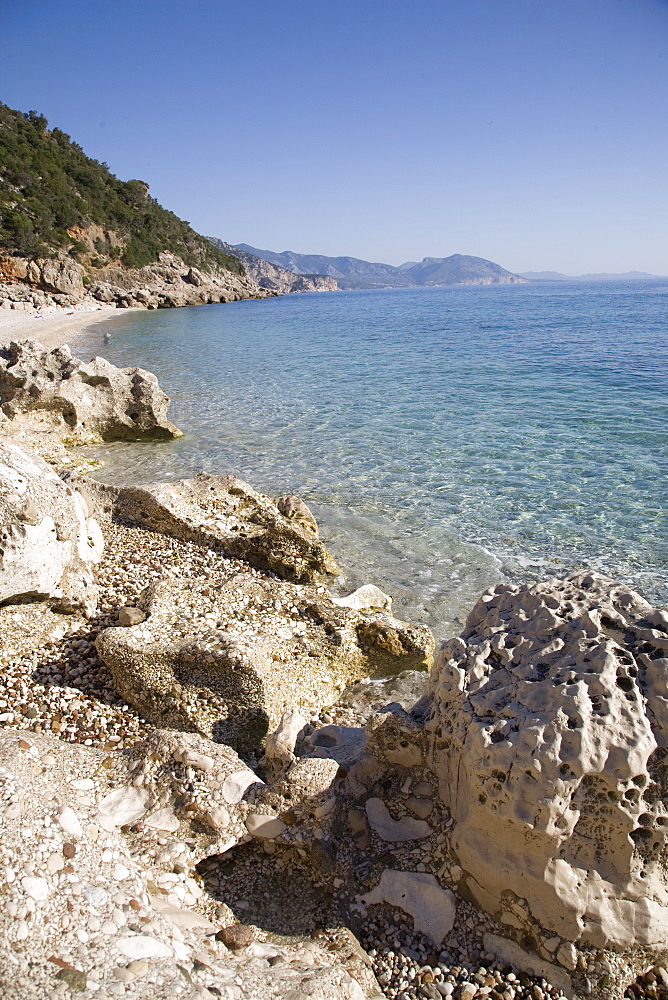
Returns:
point(52, 195)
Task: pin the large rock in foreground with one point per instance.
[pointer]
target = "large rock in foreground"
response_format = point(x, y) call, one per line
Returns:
point(97, 401)
point(551, 720)
point(48, 543)
point(228, 659)
point(223, 512)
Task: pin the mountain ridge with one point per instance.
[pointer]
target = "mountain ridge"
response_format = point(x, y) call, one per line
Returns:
point(353, 272)
point(274, 277)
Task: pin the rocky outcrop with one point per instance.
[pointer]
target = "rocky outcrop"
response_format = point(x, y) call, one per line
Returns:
point(541, 742)
point(272, 276)
point(59, 275)
point(550, 726)
point(223, 512)
point(169, 282)
point(49, 543)
point(96, 401)
point(228, 658)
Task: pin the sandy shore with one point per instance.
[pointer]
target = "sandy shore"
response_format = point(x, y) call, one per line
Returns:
point(54, 328)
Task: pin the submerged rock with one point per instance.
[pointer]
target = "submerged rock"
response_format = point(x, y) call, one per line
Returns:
point(97, 401)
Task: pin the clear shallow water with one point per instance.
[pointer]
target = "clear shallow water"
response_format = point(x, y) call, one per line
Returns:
point(444, 437)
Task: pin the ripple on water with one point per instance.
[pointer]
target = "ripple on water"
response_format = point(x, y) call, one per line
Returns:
point(444, 436)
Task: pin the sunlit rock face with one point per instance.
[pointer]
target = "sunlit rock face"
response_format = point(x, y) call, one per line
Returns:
point(548, 723)
point(48, 542)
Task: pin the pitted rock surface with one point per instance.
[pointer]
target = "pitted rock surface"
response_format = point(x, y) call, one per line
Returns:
point(549, 729)
point(224, 512)
point(48, 543)
point(97, 401)
point(227, 658)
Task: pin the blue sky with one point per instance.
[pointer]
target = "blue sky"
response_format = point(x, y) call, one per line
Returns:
point(530, 132)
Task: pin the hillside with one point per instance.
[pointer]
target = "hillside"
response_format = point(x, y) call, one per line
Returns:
point(352, 272)
point(71, 231)
point(275, 277)
point(53, 197)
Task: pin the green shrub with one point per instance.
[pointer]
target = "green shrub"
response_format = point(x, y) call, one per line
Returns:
point(48, 185)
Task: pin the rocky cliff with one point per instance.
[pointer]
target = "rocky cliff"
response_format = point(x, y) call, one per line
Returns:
point(274, 277)
point(58, 280)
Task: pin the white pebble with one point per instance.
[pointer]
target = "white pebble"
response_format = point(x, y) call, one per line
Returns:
point(69, 821)
point(36, 888)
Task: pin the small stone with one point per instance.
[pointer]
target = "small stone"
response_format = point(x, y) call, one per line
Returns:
point(260, 825)
point(200, 761)
point(75, 979)
point(69, 821)
point(36, 888)
point(420, 807)
point(163, 819)
point(568, 956)
point(125, 975)
point(96, 896)
point(467, 991)
point(142, 946)
point(237, 784)
point(236, 936)
point(218, 817)
point(138, 968)
point(69, 850)
point(131, 616)
point(121, 807)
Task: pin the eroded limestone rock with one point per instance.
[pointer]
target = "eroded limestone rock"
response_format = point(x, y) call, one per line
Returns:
point(229, 658)
point(550, 738)
point(225, 513)
point(48, 544)
point(96, 401)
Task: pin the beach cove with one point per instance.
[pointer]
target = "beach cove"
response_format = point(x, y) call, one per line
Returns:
point(54, 674)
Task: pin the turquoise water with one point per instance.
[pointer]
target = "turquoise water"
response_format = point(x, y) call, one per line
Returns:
point(445, 438)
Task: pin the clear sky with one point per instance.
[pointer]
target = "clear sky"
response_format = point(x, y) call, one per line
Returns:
point(530, 132)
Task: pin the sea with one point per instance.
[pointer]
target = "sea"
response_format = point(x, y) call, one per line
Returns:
point(446, 439)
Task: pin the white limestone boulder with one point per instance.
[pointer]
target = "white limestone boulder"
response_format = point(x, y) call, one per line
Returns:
point(225, 513)
point(97, 401)
point(48, 543)
point(548, 731)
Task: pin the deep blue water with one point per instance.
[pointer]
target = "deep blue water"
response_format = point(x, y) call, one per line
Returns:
point(445, 437)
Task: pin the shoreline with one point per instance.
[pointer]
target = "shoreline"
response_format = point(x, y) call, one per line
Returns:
point(54, 329)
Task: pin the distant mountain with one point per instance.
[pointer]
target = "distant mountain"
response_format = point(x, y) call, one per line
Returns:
point(273, 276)
point(351, 272)
point(558, 276)
point(460, 269)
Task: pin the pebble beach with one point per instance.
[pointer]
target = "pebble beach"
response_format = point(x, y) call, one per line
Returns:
point(55, 685)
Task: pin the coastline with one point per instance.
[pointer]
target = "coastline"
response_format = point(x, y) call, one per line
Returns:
point(53, 329)
point(157, 782)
